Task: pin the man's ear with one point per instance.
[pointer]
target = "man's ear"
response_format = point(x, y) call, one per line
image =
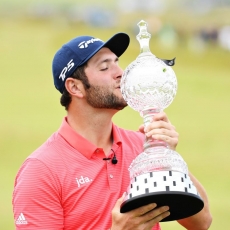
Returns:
point(74, 87)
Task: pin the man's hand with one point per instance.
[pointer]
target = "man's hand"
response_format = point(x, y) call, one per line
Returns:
point(161, 129)
point(143, 218)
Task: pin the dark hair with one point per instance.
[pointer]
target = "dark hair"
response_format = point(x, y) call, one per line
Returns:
point(80, 75)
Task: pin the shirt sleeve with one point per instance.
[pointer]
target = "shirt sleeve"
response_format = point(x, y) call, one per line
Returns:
point(37, 198)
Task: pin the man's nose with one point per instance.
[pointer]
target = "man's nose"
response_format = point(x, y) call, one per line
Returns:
point(118, 72)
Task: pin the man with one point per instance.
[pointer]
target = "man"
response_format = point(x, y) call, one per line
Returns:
point(77, 178)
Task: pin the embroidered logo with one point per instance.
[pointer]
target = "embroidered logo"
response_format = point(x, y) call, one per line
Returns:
point(69, 66)
point(21, 219)
point(85, 44)
point(82, 180)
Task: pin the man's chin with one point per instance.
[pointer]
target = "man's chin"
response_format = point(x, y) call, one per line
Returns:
point(122, 107)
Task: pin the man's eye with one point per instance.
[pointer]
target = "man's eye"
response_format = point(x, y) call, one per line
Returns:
point(104, 69)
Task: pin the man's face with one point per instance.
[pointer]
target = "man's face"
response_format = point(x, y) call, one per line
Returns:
point(104, 75)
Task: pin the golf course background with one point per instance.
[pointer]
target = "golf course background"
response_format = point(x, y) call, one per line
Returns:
point(30, 109)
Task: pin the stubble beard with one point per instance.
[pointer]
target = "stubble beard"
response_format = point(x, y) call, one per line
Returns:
point(102, 97)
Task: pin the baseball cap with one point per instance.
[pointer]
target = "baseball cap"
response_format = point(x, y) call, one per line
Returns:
point(78, 51)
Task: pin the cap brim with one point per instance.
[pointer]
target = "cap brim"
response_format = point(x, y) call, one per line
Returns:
point(118, 43)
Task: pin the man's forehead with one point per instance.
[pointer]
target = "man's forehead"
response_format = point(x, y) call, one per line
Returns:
point(104, 54)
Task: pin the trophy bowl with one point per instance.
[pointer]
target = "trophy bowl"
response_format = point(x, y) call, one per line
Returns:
point(158, 174)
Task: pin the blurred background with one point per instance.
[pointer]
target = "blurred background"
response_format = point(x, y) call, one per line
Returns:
point(196, 32)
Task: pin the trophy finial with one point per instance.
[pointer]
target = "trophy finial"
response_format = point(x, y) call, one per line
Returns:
point(143, 37)
point(143, 26)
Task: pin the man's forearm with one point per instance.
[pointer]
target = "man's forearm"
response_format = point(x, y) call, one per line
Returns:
point(203, 219)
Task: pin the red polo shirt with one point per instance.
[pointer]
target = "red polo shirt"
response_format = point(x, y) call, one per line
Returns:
point(66, 184)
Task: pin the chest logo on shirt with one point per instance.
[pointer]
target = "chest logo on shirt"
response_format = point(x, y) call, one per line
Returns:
point(82, 180)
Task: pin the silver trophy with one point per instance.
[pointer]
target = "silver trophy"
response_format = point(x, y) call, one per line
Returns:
point(158, 174)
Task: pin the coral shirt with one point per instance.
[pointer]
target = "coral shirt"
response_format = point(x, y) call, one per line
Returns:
point(66, 184)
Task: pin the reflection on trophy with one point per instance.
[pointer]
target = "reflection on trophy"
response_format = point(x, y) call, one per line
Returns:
point(158, 174)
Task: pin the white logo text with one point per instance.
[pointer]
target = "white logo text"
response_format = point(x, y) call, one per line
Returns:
point(69, 66)
point(85, 44)
point(82, 180)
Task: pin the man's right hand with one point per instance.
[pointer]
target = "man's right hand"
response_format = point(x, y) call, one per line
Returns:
point(142, 218)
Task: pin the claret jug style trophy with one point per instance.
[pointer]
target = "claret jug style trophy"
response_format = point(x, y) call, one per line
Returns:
point(158, 174)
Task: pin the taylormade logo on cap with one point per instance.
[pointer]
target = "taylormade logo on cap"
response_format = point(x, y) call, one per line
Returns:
point(85, 44)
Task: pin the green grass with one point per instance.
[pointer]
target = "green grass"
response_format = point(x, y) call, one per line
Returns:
point(30, 109)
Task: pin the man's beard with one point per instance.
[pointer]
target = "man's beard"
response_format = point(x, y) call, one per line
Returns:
point(102, 97)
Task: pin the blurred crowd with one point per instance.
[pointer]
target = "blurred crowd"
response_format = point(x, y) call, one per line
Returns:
point(108, 15)
point(197, 40)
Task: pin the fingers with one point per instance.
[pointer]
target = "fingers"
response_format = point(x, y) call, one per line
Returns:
point(160, 121)
point(160, 127)
point(144, 209)
point(158, 214)
point(162, 130)
point(141, 128)
point(170, 136)
point(163, 213)
point(149, 211)
point(144, 217)
point(149, 215)
point(161, 117)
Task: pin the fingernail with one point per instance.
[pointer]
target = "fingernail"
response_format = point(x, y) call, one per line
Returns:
point(166, 208)
point(153, 205)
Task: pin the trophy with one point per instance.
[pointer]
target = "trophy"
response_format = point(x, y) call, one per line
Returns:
point(158, 174)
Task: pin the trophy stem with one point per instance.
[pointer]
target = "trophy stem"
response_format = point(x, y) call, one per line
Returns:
point(148, 115)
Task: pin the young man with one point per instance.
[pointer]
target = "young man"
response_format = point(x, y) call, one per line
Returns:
point(77, 178)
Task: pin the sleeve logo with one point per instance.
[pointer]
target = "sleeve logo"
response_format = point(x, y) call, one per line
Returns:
point(21, 219)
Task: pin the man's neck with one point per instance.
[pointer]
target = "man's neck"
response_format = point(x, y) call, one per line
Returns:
point(96, 127)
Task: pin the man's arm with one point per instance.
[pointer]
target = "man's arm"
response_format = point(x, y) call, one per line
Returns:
point(203, 219)
point(36, 199)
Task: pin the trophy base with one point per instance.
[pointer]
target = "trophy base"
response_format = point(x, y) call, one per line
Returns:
point(181, 204)
point(165, 188)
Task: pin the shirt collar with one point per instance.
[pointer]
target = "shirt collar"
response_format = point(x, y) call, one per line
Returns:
point(81, 144)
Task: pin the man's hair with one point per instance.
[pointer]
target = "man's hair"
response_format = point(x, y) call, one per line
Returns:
point(79, 74)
